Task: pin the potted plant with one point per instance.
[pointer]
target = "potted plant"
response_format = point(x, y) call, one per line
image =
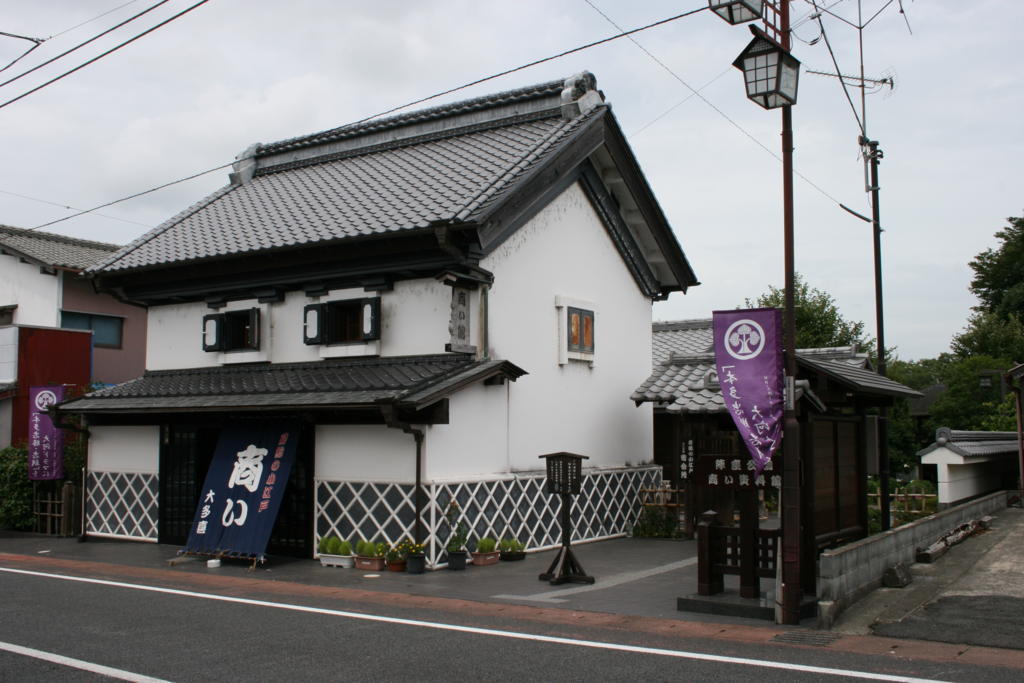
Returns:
point(415, 560)
point(370, 555)
point(457, 541)
point(395, 557)
point(334, 552)
point(511, 549)
point(485, 552)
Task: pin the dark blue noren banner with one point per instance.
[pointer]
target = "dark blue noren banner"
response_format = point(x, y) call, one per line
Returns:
point(243, 489)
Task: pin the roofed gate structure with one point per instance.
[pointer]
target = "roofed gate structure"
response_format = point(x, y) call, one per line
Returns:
point(694, 434)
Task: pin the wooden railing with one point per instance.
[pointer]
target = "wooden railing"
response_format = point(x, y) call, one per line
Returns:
point(57, 509)
point(750, 553)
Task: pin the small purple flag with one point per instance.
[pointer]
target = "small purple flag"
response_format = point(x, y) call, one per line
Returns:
point(45, 442)
point(748, 359)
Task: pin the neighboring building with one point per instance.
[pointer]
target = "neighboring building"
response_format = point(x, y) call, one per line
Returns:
point(835, 387)
point(41, 290)
point(41, 286)
point(971, 464)
point(390, 284)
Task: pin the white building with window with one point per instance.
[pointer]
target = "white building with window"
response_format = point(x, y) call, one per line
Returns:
point(438, 298)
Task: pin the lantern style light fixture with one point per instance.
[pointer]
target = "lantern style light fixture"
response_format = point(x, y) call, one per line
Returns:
point(737, 11)
point(770, 72)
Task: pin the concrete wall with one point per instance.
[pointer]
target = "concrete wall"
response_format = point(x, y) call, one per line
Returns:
point(364, 453)
point(124, 449)
point(577, 406)
point(37, 294)
point(847, 574)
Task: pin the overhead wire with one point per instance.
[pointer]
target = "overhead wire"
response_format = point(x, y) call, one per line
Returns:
point(389, 111)
point(71, 208)
point(84, 43)
point(132, 196)
point(716, 109)
point(842, 80)
point(104, 54)
point(36, 42)
point(89, 21)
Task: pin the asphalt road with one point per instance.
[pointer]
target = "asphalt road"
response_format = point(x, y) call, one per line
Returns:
point(184, 632)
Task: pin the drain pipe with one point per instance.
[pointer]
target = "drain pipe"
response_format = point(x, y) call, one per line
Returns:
point(391, 420)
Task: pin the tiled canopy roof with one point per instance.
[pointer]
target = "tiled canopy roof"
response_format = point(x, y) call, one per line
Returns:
point(407, 380)
point(973, 443)
point(58, 251)
point(683, 355)
point(350, 187)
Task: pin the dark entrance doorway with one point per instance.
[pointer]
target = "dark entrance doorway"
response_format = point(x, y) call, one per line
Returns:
point(185, 455)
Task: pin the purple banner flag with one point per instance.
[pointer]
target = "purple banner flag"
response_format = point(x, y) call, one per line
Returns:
point(45, 442)
point(748, 359)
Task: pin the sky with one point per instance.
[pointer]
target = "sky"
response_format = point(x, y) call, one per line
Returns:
point(194, 93)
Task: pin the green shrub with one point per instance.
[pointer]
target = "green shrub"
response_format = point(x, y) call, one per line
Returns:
point(511, 545)
point(344, 548)
point(321, 546)
point(485, 545)
point(15, 490)
point(657, 522)
point(334, 545)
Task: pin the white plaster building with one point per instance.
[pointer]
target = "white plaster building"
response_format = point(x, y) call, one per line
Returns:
point(439, 297)
point(969, 464)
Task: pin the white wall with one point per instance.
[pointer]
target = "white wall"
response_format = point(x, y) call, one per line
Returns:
point(414, 320)
point(8, 354)
point(476, 441)
point(124, 449)
point(364, 453)
point(962, 477)
point(565, 251)
point(36, 294)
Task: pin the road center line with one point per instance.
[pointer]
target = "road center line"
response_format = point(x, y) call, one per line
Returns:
point(110, 672)
point(619, 647)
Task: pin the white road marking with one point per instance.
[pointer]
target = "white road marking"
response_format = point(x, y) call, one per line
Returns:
point(79, 664)
point(619, 647)
point(601, 584)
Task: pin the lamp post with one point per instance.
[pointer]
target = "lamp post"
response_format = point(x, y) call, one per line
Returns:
point(737, 11)
point(771, 75)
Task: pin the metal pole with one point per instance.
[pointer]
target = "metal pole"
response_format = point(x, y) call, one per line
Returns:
point(792, 498)
point(874, 154)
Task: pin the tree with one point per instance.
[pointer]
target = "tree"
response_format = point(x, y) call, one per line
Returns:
point(818, 321)
point(999, 273)
point(989, 334)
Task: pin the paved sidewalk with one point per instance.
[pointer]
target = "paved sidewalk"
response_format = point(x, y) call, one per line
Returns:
point(972, 595)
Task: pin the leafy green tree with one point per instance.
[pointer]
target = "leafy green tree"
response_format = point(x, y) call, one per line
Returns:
point(818, 321)
point(970, 402)
point(999, 273)
point(991, 335)
point(15, 490)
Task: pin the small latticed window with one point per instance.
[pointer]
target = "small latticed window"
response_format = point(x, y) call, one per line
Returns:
point(342, 322)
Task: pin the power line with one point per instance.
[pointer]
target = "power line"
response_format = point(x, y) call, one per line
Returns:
point(534, 63)
point(419, 101)
point(83, 44)
point(133, 196)
point(104, 54)
point(719, 111)
point(846, 91)
point(70, 208)
point(89, 21)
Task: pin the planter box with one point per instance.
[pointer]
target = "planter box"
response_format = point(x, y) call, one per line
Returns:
point(483, 559)
point(370, 563)
point(415, 564)
point(457, 559)
point(327, 560)
point(513, 556)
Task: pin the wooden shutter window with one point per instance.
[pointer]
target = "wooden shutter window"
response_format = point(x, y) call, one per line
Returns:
point(370, 318)
point(213, 332)
point(314, 323)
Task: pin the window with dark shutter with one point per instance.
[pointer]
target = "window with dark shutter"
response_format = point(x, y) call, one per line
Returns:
point(232, 331)
point(580, 325)
point(348, 321)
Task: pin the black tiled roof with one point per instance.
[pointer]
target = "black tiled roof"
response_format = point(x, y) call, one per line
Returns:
point(450, 175)
point(337, 383)
point(973, 443)
point(54, 250)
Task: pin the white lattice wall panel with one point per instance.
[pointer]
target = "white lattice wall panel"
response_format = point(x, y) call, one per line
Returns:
point(518, 507)
point(122, 504)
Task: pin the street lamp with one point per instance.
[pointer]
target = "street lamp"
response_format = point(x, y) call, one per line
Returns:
point(737, 11)
point(770, 71)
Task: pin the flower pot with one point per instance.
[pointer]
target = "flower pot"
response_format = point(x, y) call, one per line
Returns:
point(513, 556)
point(415, 564)
point(456, 559)
point(328, 560)
point(396, 566)
point(483, 559)
point(369, 563)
